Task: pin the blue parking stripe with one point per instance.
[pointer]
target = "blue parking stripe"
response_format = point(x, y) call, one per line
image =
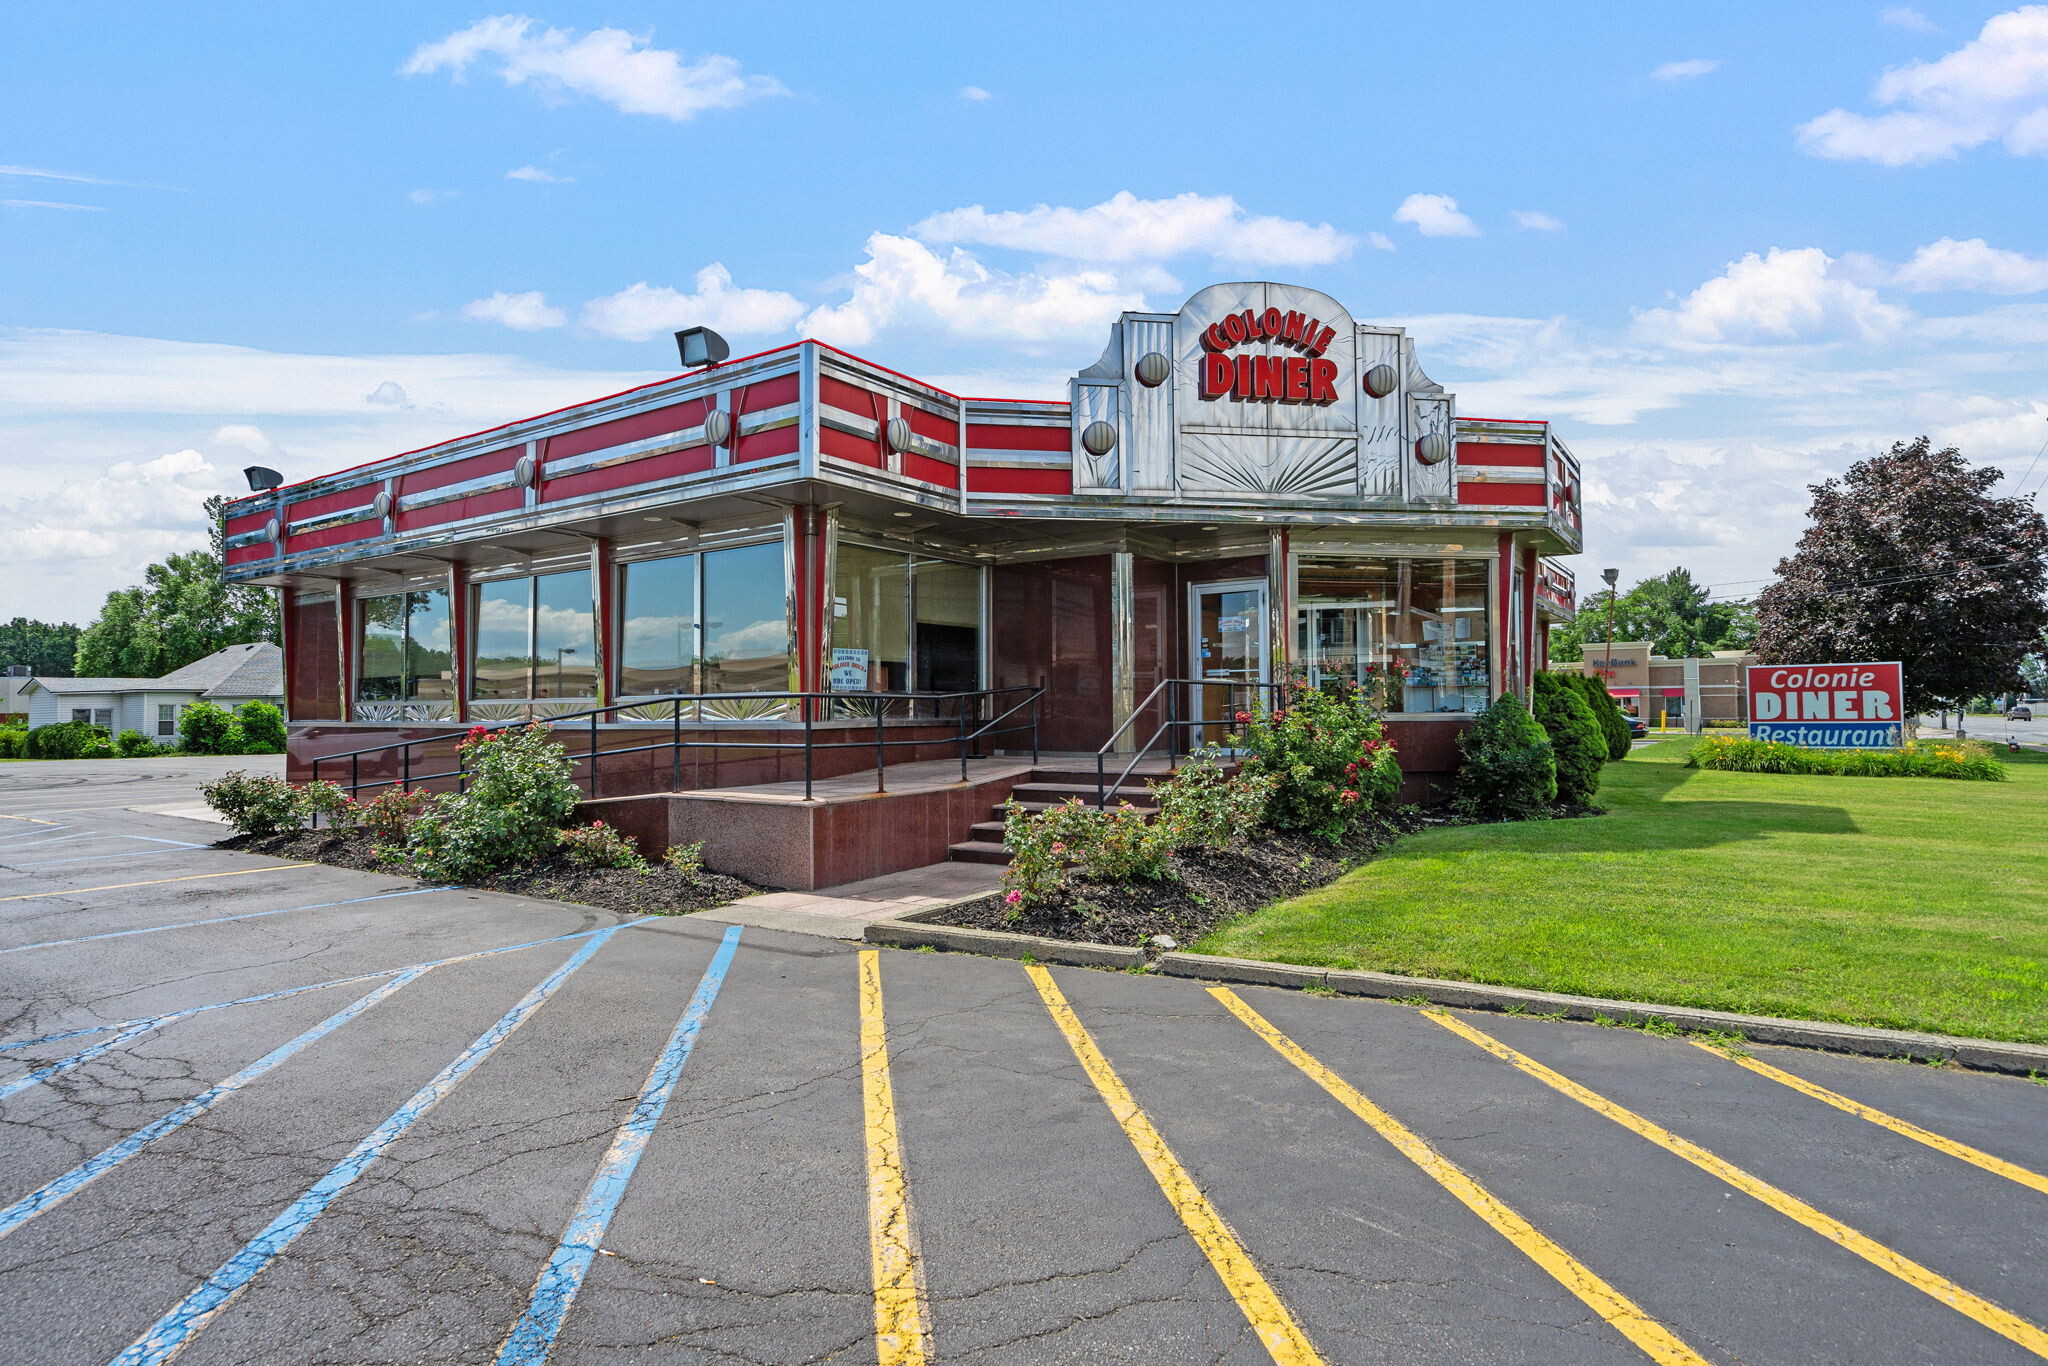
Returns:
point(132, 1029)
point(222, 919)
point(70, 1183)
point(188, 1318)
point(101, 858)
point(533, 1337)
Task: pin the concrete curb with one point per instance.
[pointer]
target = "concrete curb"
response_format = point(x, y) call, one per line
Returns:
point(1989, 1055)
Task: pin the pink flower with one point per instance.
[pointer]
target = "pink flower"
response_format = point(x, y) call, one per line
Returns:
point(1350, 797)
point(1058, 848)
point(1243, 717)
point(1012, 898)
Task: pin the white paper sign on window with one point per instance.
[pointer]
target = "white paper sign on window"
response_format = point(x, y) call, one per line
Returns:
point(849, 670)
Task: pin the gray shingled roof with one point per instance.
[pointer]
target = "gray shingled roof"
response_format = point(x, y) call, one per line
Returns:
point(64, 685)
point(255, 670)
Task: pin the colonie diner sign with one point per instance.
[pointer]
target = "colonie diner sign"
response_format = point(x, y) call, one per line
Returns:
point(1828, 706)
point(1306, 378)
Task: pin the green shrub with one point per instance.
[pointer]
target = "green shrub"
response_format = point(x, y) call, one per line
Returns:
point(14, 743)
point(1929, 759)
point(1607, 713)
point(262, 727)
point(1119, 844)
point(518, 796)
point(1327, 755)
point(1510, 770)
point(62, 740)
point(203, 728)
point(686, 859)
point(1575, 738)
point(133, 744)
point(328, 805)
point(390, 813)
point(234, 741)
point(1203, 806)
point(598, 845)
point(255, 803)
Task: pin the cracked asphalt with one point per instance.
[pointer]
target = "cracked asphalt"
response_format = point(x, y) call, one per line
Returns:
point(176, 1195)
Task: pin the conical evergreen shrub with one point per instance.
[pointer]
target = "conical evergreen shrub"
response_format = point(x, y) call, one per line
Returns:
point(1574, 735)
point(1509, 773)
point(1606, 711)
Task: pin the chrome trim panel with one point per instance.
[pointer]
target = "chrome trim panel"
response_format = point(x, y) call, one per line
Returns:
point(467, 488)
point(853, 424)
point(1500, 474)
point(606, 456)
point(1039, 460)
point(328, 520)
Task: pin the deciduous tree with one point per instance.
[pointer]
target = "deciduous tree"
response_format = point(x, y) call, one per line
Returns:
point(1910, 558)
point(48, 648)
point(184, 610)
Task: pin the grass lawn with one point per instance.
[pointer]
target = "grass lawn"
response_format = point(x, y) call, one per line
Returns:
point(1912, 903)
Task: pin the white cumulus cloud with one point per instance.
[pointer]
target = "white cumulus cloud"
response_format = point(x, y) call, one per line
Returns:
point(1536, 220)
point(904, 282)
point(1435, 215)
point(1685, 70)
point(641, 311)
point(1781, 296)
point(1994, 88)
point(539, 176)
point(1905, 17)
point(1972, 265)
point(1379, 241)
point(622, 69)
point(1127, 228)
point(974, 93)
point(527, 312)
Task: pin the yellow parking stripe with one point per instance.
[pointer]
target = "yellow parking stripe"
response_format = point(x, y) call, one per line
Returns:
point(1269, 1318)
point(1659, 1343)
point(30, 819)
point(2000, 1321)
point(2011, 1171)
point(155, 881)
point(899, 1298)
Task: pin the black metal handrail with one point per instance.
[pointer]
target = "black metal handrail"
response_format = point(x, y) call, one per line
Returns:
point(1169, 729)
point(805, 703)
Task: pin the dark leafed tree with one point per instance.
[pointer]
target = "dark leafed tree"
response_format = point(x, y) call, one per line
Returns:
point(1910, 558)
point(182, 611)
point(46, 647)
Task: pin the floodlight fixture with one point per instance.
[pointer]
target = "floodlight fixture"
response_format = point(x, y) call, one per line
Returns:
point(1611, 575)
point(700, 346)
point(261, 478)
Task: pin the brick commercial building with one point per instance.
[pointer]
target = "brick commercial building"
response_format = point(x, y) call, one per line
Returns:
point(1675, 692)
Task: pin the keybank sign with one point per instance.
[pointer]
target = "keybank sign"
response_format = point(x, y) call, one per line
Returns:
point(1828, 706)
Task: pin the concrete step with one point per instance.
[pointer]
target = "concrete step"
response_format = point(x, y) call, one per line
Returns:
point(1034, 807)
point(1036, 791)
point(987, 832)
point(980, 851)
point(1086, 775)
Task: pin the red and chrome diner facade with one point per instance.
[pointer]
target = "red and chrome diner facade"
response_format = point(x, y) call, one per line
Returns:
point(1255, 485)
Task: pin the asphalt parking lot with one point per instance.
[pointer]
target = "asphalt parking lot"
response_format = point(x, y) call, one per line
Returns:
point(263, 1112)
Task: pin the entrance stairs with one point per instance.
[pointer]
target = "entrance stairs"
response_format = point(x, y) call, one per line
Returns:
point(1047, 787)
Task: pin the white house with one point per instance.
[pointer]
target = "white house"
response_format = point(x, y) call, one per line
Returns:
point(227, 678)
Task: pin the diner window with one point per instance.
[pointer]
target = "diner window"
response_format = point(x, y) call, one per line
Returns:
point(535, 638)
point(746, 620)
point(1414, 631)
point(902, 623)
point(658, 626)
point(403, 652)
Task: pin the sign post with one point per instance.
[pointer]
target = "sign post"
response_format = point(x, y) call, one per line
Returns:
point(1828, 706)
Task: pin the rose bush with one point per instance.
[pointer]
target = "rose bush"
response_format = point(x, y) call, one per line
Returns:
point(1327, 754)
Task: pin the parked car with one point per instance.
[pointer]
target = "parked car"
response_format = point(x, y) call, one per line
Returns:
point(2020, 713)
point(1638, 728)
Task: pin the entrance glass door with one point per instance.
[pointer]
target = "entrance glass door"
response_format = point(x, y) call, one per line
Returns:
point(1227, 638)
point(1336, 641)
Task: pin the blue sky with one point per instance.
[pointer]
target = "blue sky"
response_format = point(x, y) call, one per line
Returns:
point(1727, 249)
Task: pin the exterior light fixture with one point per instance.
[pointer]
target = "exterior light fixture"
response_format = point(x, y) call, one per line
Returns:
point(1099, 438)
point(1380, 380)
point(717, 427)
point(902, 514)
point(1611, 576)
point(1153, 369)
point(261, 478)
point(1433, 449)
point(899, 435)
point(700, 346)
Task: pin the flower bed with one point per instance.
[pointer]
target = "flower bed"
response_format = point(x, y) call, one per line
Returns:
point(1966, 759)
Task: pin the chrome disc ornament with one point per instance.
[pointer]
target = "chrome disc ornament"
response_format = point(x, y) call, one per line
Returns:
point(1433, 449)
point(1153, 369)
point(1380, 380)
point(1099, 438)
point(717, 427)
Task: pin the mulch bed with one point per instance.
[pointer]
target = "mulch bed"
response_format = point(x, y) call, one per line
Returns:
point(1202, 888)
point(660, 891)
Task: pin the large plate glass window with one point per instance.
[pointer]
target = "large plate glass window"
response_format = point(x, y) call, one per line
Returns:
point(658, 626)
point(904, 623)
point(746, 620)
point(405, 669)
point(1414, 631)
point(535, 638)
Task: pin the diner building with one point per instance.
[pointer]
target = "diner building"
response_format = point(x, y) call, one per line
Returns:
point(768, 567)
